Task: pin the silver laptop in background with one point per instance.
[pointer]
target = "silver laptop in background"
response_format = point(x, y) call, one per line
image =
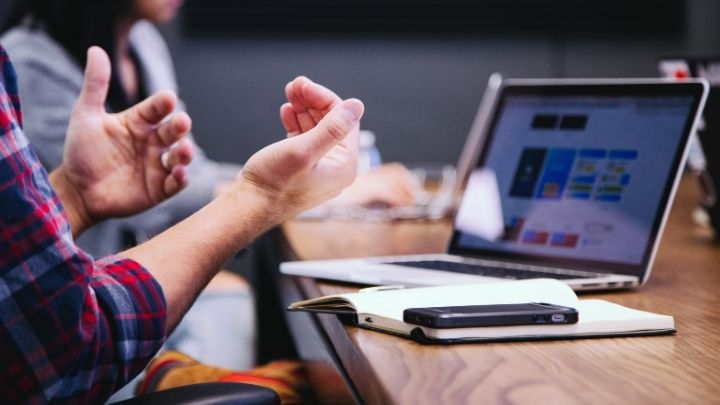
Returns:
point(447, 180)
point(585, 173)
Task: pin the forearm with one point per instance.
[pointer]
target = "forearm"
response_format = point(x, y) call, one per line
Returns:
point(185, 257)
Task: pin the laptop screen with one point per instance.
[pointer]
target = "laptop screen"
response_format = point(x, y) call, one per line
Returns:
point(584, 172)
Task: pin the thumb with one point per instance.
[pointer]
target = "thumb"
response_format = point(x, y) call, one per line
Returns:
point(333, 129)
point(97, 80)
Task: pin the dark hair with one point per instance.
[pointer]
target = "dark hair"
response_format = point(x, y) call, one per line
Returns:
point(76, 25)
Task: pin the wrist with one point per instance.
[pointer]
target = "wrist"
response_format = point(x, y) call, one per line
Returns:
point(75, 208)
point(263, 205)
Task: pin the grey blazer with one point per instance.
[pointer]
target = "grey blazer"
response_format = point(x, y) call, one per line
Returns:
point(50, 82)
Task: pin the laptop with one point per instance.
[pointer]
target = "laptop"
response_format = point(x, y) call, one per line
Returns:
point(585, 173)
point(447, 181)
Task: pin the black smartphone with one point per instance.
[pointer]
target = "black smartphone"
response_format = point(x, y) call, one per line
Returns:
point(466, 316)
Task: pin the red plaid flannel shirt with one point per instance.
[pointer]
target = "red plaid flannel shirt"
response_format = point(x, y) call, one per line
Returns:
point(71, 329)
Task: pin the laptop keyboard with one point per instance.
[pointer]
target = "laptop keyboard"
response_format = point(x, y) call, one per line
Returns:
point(489, 271)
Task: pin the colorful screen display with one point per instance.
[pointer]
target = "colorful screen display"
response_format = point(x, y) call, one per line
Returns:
point(582, 177)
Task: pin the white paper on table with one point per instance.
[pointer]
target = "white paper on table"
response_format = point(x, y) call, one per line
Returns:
point(480, 212)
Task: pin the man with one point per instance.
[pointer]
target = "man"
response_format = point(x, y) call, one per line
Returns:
point(74, 329)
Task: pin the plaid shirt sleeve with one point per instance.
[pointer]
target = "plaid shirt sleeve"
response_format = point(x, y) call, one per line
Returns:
point(71, 329)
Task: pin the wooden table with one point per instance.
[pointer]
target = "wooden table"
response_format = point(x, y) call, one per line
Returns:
point(353, 364)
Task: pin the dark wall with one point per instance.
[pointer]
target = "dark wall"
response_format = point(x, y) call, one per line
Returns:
point(420, 92)
point(420, 95)
point(3, 8)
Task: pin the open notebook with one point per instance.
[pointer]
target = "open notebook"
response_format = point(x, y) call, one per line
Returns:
point(383, 311)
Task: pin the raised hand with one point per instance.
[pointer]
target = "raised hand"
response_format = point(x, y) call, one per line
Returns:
point(120, 164)
point(317, 161)
point(390, 184)
point(307, 104)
